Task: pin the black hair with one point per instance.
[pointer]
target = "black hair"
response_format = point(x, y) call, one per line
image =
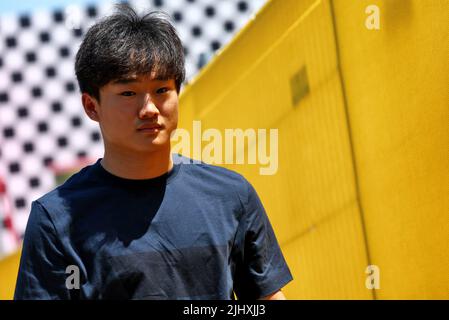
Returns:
point(126, 43)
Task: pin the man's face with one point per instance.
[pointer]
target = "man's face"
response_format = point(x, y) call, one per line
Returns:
point(138, 114)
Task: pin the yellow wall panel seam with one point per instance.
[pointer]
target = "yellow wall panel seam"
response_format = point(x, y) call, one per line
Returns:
point(351, 143)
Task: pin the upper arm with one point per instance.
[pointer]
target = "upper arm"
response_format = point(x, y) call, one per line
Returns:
point(262, 268)
point(42, 263)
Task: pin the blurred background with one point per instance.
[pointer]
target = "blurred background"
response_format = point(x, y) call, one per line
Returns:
point(358, 89)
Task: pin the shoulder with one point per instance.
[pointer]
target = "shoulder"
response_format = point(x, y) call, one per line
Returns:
point(212, 175)
point(55, 201)
point(223, 181)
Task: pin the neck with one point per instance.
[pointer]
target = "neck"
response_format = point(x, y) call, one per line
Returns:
point(133, 165)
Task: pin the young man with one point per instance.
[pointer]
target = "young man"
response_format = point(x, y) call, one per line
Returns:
point(142, 223)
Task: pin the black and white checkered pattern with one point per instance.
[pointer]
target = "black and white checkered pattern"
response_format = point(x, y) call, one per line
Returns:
point(43, 129)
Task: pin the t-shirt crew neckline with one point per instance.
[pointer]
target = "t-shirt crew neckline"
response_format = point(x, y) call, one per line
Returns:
point(164, 178)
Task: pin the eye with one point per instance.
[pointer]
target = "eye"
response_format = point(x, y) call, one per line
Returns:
point(128, 93)
point(162, 90)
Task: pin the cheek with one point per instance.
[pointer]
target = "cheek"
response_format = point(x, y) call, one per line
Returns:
point(116, 111)
point(116, 120)
point(170, 110)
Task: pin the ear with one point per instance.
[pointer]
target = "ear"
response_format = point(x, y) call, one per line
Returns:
point(91, 106)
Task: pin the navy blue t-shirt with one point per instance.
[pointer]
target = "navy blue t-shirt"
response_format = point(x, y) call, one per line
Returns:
point(197, 232)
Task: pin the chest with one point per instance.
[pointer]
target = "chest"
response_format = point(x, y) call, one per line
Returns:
point(173, 249)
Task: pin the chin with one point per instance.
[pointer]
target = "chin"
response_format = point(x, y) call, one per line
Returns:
point(155, 145)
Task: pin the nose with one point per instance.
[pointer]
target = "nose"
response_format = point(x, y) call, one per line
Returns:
point(149, 109)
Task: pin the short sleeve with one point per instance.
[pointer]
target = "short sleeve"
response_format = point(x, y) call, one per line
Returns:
point(42, 264)
point(261, 268)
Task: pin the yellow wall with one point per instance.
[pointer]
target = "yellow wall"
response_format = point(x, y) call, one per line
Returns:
point(397, 86)
point(363, 157)
point(8, 275)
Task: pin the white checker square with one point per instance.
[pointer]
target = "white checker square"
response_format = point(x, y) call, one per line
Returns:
point(33, 74)
point(61, 35)
point(31, 165)
point(17, 184)
point(64, 157)
point(53, 90)
point(39, 110)
point(28, 40)
point(48, 55)
point(25, 130)
point(20, 94)
point(79, 139)
point(7, 115)
point(21, 219)
point(45, 145)
point(59, 124)
point(66, 69)
point(9, 25)
point(42, 19)
point(11, 150)
point(13, 60)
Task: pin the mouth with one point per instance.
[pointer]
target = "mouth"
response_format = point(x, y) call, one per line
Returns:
point(154, 128)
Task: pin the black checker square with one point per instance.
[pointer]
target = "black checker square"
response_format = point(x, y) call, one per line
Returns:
point(47, 161)
point(56, 106)
point(20, 202)
point(8, 132)
point(209, 11)
point(50, 72)
point(4, 97)
point(76, 121)
point(16, 76)
point(28, 147)
point(14, 167)
point(42, 126)
point(95, 136)
point(25, 21)
point(70, 86)
point(58, 16)
point(62, 142)
point(30, 56)
point(92, 11)
point(34, 182)
point(11, 42)
point(81, 154)
point(44, 36)
point(36, 92)
point(64, 52)
point(77, 32)
point(22, 112)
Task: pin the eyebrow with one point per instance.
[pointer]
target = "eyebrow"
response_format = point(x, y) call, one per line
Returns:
point(128, 80)
point(124, 80)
